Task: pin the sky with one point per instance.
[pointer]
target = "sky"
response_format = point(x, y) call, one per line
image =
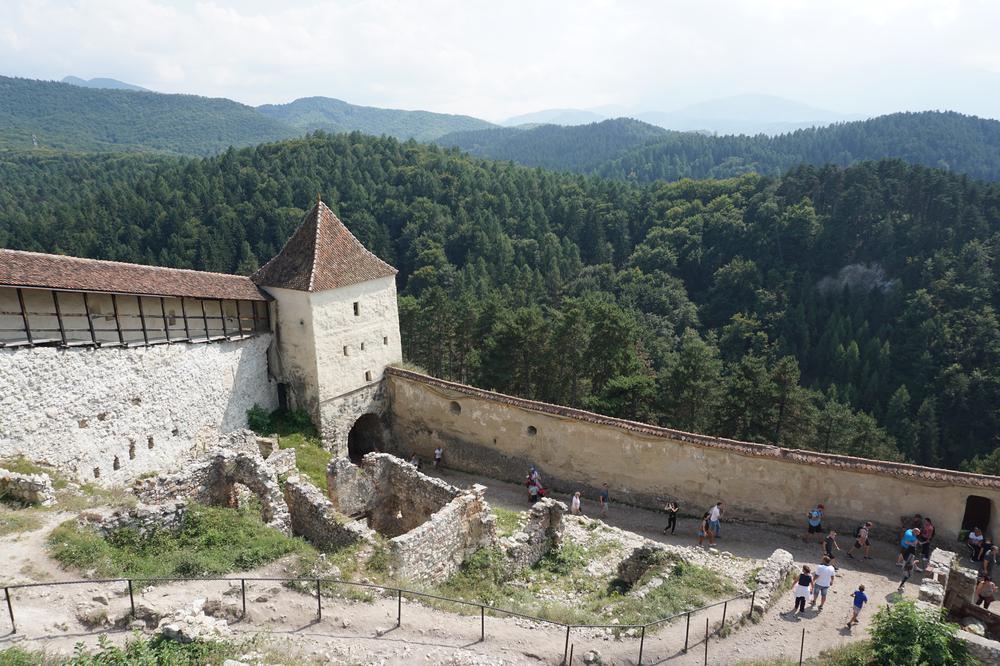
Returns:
point(499, 58)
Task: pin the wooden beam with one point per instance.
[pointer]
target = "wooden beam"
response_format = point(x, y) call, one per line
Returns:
point(239, 319)
point(204, 318)
point(24, 317)
point(62, 329)
point(222, 313)
point(142, 320)
point(118, 322)
point(184, 316)
point(90, 320)
point(163, 312)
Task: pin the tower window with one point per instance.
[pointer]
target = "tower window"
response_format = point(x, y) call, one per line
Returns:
point(345, 351)
point(357, 309)
point(362, 346)
point(368, 375)
point(385, 340)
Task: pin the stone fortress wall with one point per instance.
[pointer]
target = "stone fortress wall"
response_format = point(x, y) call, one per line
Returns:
point(483, 432)
point(108, 415)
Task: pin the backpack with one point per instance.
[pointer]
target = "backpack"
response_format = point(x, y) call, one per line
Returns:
point(857, 532)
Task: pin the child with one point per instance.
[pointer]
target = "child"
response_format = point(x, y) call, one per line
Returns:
point(705, 531)
point(802, 589)
point(860, 599)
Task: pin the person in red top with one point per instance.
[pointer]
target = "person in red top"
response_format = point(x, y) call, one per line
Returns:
point(924, 543)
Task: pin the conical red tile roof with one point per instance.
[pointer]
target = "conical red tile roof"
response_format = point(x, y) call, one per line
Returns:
point(322, 254)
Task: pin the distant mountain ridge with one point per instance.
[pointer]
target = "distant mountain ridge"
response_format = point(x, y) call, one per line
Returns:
point(334, 115)
point(108, 84)
point(629, 149)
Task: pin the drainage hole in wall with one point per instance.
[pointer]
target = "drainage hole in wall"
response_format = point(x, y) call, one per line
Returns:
point(532, 431)
point(116, 464)
point(97, 472)
point(455, 407)
point(136, 401)
point(131, 449)
point(175, 432)
point(149, 442)
point(102, 416)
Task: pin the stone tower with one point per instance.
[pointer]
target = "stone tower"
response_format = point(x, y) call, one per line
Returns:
point(336, 326)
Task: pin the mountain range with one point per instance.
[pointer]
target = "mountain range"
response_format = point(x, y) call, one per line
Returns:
point(108, 84)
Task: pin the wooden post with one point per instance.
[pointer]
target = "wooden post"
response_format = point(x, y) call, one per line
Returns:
point(163, 313)
point(131, 597)
point(239, 319)
point(399, 608)
point(566, 648)
point(642, 642)
point(142, 320)
point(706, 641)
point(482, 624)
point(222, 315)
point(319, 601)
point(62, 329)
point(184, 316)
point(118, 321)
point(802, 645)
point(10, 610)
point(243, 594)
point(687, 632)
point(204, 318)
point(24, 318)
point(90, 322)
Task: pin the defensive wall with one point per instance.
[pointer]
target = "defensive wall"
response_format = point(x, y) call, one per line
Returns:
point(111, 414)
point(501, 436)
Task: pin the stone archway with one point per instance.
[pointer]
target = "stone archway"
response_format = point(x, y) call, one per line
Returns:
point(365, 436)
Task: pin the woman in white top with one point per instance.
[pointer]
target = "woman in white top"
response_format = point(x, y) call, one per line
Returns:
point(574, 505)
point(976, 544)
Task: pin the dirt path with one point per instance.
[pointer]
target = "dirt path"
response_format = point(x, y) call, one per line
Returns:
point(365, 633)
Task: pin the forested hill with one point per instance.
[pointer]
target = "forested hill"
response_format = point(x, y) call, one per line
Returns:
point(946, 140)
point(850, 310)
point(68, 117)
point(334, 115)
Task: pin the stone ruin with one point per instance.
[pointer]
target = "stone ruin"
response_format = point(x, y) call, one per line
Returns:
point(27, 488)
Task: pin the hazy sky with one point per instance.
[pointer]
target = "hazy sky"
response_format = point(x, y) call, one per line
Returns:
point(498, 58)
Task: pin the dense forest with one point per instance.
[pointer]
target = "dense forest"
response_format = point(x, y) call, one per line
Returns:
point(627, 149)
point(333, 115)
point(850, 310)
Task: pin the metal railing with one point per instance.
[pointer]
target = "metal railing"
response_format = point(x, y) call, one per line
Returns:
point(399, 592)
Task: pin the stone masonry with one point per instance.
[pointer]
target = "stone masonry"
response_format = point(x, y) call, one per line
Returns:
point(28, 488)
point(314, 518)
point(537, 535)
point(143, 518)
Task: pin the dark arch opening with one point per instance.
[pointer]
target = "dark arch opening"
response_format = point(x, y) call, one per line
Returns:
point(977, 513)
point(365, 437)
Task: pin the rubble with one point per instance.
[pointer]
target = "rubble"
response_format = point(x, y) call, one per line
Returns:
point(27, 488)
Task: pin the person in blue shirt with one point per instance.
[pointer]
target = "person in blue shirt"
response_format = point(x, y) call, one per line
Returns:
point(814, 519)
point(860, 599)
point(908, 545)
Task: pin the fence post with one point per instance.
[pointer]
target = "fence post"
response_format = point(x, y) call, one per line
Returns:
point(687, 631)
point(802, 645)
point(642, 642)
point(319, 602)
point(482, 624)
point(753, 598)
point(243, 596)
point(566, 648)
point(706, 641)
point(10, 610)
point(399, 608)
point(725, 607)
point(571, 647)
point(131, 598)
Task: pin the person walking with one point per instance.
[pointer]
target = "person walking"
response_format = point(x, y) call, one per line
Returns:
point(715, 518)
point(985, 591)
point(438, 455)
point(924, 543)
point(908, 545)
point(705, 530)
point(860, 599)
point(822, 581)
point(605, 499)
point(803, 588)
point(908, 566)
point(814, 523)
point(990, 561)
point(574, 505)
point(862, 541)
point(671, 508)
point(829, 545)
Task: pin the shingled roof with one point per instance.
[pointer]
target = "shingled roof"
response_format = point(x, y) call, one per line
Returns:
point(322, 254)
point(53, 271)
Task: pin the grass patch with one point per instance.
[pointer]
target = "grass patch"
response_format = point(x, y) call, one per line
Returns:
point(211, 541)
point(857, 653)
point(559, 588)
point(295, 430)
point(156, 651)
point(14, 521)
point(507, 521)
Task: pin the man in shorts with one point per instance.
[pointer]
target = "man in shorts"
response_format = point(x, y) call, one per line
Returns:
point(829, 545)
point(814, 523)
point(862, 541)
point(860, 599)
point(715, 519)
point(822, 580)
point(908, 545)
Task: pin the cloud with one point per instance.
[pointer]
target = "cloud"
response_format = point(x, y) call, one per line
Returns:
point(495, 59)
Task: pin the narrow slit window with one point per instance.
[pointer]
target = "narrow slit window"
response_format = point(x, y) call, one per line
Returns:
point(385, 340)
point(357, 309)
point(368, 375)
point(362, 346)
point(345, 351)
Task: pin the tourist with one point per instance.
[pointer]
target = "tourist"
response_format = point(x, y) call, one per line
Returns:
point(705, 530)
point(862, 540)
point(671, 509)
point(814, 520)
point(908, 545)
point(829, 545)
point(803, 587)
point(924, 543)
point(715, 519)
point(438, 454)
point(985, 591)
point(975, 543)
point(908, 567)
point(574, 505)
point(605, 497)
point(415, 461)
point(990, 561)
point(532, 493)
point(822, 580)
point(860, 599)
point(536, 478)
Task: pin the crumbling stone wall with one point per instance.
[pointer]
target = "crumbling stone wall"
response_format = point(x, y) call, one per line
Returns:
point(143, 518)
point(771, 578)
point(436, 549)
point(314, 518)
point(351, 489)
point(540, 533)
point(28, 488)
